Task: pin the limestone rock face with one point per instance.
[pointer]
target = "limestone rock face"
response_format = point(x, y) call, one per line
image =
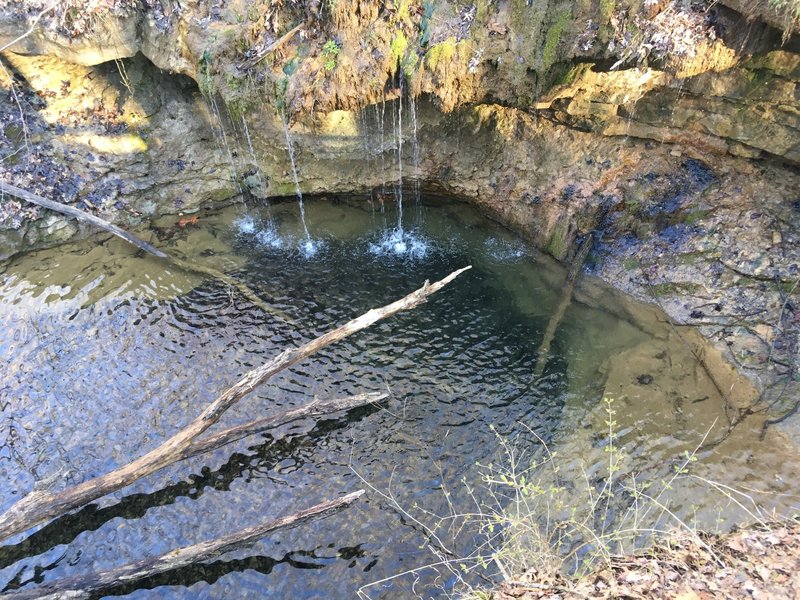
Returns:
point(666, 71)
point(763, 10)
point(123, 140)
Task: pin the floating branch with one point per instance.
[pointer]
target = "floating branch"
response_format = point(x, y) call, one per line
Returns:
point(315, 409)
point(42, 505)
point(85, 586)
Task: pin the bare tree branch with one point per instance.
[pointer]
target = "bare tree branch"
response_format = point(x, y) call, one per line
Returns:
point(33, 25)
point(42, 505)
point(82, 586)
point(315, 409)
point(247, 64)
point(79, 214)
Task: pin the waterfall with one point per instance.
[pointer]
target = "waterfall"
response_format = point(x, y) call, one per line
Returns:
point(380, 118)
point(224, 139)
point(252, 151)
point(412, 105)
point(399, 135)
point(290, 148)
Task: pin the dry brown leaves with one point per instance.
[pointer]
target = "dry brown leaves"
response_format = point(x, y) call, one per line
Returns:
point(758, 562)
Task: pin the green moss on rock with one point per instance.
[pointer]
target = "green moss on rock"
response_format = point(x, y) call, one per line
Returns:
point(553, 37)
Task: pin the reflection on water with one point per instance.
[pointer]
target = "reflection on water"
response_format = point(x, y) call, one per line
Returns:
point(108, 352)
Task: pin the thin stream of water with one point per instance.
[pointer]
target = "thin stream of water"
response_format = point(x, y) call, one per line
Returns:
point(290, 149)
point(253, 157)
point(412, 105)
point(399, 137)
point(219, 126)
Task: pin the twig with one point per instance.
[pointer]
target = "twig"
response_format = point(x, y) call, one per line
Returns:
point(80, 587)
point(262, 53)
point(41, 505)
point(33, 25)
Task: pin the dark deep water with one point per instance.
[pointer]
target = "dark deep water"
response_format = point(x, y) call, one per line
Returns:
point(107, 353)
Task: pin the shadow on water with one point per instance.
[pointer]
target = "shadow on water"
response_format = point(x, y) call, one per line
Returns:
point(211, 572)
point(259, 463)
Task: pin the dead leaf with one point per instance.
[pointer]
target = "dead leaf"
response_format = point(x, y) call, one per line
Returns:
point(687, 594)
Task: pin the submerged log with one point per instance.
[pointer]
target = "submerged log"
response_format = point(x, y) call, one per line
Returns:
point(85, 586)
point(566, 299)
point(243, 288)
point(80, 215)
point(41, 505)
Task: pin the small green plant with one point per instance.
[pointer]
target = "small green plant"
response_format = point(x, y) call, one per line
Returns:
point(538, 514)
point(330, 50)
point(242, 44)
point(398, 47)
point(402, 12)
point(607, 10)
point(441, 54)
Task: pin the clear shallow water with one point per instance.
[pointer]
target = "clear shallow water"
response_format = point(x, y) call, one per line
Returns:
point(108, 353)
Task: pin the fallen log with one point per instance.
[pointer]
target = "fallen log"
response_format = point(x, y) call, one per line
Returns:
point(81, 215)
point(315, 409)
point(65, 528)
point(85, 586)
point(41, 505)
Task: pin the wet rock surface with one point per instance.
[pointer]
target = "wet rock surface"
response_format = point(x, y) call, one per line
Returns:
point(119, 140)
point(724, 257)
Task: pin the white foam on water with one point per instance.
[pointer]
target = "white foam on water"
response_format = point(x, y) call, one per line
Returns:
point(310, 247)
point(397, 242)
point(245, 225)
point(270, 238)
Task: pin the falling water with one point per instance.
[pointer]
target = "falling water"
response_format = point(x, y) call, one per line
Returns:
point(380, 118)
point(308, 243)
point(399, 133)
point(261, 179)
point(224, 140)
point(412, 105)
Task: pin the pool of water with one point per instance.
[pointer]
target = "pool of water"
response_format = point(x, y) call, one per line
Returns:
point(107, 352)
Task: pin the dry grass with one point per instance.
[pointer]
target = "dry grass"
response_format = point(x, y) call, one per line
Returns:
point(543, 531)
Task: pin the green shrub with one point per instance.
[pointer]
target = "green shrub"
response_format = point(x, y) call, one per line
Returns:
point(330, 50)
